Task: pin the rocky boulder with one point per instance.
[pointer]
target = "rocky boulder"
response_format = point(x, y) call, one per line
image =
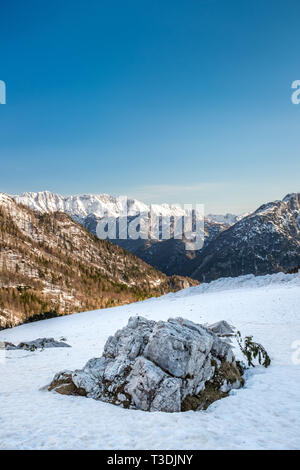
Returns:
point(39, 343)
point(168, 366)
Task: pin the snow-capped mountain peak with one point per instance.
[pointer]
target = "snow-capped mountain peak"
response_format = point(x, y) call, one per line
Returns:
point(81, 206)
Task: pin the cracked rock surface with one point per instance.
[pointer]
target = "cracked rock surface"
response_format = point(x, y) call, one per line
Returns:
point(169, 366)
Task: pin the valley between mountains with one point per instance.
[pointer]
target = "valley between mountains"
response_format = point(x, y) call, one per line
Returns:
point(52, 263)
point(262, 242)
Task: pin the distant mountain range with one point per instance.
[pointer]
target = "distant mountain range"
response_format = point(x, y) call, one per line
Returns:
point(50, 264)
point(168, 256)
point(262, 242)
point(227, 219)
point(98, 205)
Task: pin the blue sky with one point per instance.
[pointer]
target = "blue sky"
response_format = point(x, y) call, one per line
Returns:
point(166, 101)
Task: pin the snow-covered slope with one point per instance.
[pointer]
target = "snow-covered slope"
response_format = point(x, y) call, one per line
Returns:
point(263, 415)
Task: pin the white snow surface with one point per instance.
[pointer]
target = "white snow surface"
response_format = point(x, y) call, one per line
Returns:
point(265, 414)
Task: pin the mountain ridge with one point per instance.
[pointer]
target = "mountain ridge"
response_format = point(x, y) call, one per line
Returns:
point(83, 205)
point(264, 241)
point(51, 263)
point(167, 256)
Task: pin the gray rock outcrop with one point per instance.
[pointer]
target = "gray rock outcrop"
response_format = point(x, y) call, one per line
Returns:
point(168, 366)
point(222, 328)
point(39, 343)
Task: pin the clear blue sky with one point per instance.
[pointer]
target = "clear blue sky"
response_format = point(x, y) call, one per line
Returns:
point(166, 101)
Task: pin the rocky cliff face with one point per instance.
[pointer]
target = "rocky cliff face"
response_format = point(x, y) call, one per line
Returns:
point(264, 242)
point(50, 264)
point(168, 366)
